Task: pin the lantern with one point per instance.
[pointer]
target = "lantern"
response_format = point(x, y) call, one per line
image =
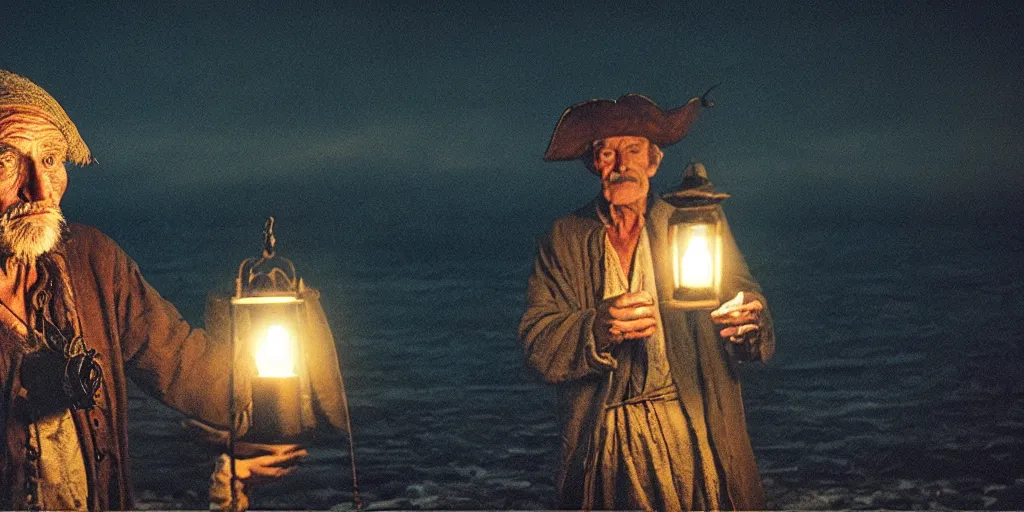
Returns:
point(267, 325)
point(274, 332)
point(695, 235)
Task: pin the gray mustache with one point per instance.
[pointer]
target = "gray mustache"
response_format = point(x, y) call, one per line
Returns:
point(617, 177)
point(22, 209)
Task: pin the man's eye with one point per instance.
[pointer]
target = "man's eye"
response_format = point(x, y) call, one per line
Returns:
point(607, 155)
point(635, 151)
point(8, 165)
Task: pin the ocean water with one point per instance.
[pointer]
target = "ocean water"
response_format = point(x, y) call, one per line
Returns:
point(896, 384)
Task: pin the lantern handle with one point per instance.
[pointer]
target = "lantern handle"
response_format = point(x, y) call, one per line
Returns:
point(268, 238)
point(268, 272)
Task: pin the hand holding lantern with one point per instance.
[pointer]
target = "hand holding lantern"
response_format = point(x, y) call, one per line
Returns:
point(739, 318)
point(696, 233)
point(266, 324)
point(286, 380)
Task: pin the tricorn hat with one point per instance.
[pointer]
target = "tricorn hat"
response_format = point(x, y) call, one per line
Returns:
point(18, 91)
point(632, 114)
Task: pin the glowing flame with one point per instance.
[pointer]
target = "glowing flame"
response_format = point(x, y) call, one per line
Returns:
point(275, 354)
point(697, 267)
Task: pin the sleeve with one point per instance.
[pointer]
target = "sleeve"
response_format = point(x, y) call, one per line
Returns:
point(556, 331)
point(737, 278)
point(179, 365)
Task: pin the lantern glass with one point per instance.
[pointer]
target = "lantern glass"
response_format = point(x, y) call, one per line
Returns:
point(268, 352)
point(695, 238)
point(267, 332)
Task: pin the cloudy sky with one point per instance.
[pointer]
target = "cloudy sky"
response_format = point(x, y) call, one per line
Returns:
point(824, 108)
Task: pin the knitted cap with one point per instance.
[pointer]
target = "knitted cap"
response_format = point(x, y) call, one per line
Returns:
point(16, 90)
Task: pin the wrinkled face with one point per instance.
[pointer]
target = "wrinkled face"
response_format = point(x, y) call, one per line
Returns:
point(625, 165)
point(32, 182)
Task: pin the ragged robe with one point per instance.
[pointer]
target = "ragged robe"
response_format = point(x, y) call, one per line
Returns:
point(556, 334)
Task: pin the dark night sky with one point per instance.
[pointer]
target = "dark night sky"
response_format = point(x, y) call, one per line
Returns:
point(826, 111)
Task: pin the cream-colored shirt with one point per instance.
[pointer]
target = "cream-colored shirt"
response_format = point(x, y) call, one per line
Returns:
point(649, 354)
point(649, 457)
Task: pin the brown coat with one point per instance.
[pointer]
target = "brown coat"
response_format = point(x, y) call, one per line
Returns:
point(137, 334)
point(557, 338)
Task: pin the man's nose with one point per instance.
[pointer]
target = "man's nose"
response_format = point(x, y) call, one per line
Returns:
point(620, 163)
point(35, 186)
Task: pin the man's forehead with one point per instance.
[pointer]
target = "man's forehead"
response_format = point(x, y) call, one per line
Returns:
point(27, 127)
point(620, 141)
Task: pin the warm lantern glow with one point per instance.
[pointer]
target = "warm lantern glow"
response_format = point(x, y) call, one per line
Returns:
point(696, 233)
point(275, 353)
point(697, 269)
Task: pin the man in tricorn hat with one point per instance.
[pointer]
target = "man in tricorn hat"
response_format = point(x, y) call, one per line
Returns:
point(76, 319)
point(649, 397)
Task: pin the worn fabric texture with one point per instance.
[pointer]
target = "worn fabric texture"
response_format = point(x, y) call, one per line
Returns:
point(20, 93)
point(137, 335)
point(556, 334)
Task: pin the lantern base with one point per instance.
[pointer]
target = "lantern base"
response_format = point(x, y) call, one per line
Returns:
point(692, 304)
point(276, 416)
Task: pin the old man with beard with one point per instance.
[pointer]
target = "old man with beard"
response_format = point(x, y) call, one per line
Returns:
point(76, 319)
point(649, 395)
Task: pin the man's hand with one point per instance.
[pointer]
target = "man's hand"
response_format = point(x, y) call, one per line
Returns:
point(277, 461)
point(630, 316)
point(254, 464)
point(739, 318)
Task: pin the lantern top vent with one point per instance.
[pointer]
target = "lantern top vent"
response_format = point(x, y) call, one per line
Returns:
point(695, 190)
point(269, 278)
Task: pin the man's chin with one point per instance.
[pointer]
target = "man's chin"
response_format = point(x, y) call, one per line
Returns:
point(624, 193)
point(29, 237)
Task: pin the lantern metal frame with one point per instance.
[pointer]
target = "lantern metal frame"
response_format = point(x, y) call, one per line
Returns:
point(266, 280)
point(696, 203)
point(271, 279)
point(684, 219)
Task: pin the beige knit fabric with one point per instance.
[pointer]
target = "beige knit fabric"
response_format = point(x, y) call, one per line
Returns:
point(17, 91)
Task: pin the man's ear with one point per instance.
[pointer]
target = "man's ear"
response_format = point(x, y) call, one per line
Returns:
point(655, 160)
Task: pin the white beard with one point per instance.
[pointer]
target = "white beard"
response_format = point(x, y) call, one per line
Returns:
point(26, 237)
